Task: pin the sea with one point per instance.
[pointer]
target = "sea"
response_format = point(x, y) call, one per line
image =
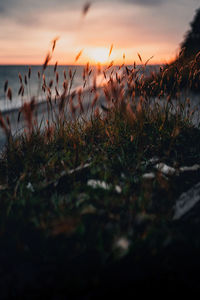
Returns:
point(33, 88)
point(11, 73)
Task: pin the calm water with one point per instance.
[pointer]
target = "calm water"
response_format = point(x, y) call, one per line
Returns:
point(33, 87)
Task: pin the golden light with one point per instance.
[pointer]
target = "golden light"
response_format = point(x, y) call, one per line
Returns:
point(98, 55)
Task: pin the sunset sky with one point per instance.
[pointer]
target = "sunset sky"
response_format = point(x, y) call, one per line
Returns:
point(150, 27)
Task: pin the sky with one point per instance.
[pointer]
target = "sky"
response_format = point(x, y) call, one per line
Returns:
point(149, 27)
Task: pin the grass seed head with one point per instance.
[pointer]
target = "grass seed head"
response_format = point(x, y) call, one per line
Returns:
point(5, 86)
point(9, 94)
point(29, 72)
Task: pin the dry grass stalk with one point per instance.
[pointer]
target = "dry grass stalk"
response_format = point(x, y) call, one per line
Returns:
point(94, 87)
point(97, 113)
point(28, 109)
point(29, 72)
point(78, 55)
point(80, 92)
point(46, 62)
point(72, 108)
point(9, 94)
point(111, 49)
point(140, 58)
point(84, 74)
point(57, 93)
point(5, 86)
point(57, 77)
point(21, 91)
point(54, 41)
point(20, 78)
point(65, 85)
point(49, 132)
point(98, 68)
point(110, 65)
point(70, 74)
point(94, 101)
point(50, 83)
point(4, 127)
point(25, 80)
point(86, 8)
point(64, 74)
point(130, 113)
point(55, 67)
point(8, 121)
point(87, 68)
point(147, 61)
point(107, 94)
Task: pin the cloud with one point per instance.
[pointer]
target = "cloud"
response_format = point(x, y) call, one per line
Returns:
point(33, 12)
point(19, 7)
point(145, 2)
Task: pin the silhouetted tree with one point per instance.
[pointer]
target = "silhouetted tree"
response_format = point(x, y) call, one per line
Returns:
point(191, 44)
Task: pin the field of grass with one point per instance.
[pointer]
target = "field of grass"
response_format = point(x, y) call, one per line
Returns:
point(84, 204)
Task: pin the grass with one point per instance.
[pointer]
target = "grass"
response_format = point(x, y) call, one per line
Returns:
point(63, 232)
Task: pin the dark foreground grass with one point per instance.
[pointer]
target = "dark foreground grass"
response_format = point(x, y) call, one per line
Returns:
point(63, 235)
point(58, 232)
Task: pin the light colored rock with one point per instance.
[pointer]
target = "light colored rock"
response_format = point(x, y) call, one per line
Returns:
point(153, 160)
point(121, 246)
point(102, 185)
point(122, 243)
point(118, 189)
point(165, 169)
point(186, 202)
point(98, 184)
point(190, 169)
point(148, 176)
point(30, 187)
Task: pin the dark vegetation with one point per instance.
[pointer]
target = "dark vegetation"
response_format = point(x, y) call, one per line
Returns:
point(191, 44)
point(183, 73)
point(63, 235)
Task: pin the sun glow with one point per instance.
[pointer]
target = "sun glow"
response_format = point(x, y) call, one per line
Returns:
point(98, 55)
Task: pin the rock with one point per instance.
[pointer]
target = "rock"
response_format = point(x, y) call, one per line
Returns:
point(190, 169)
point(186, 202)
point(30, 187)
point(153, 160)
point(118, 189)
point(148, 176)
point(121, 245)
point(98, 184)
point(165, 169)
point(102, 185)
